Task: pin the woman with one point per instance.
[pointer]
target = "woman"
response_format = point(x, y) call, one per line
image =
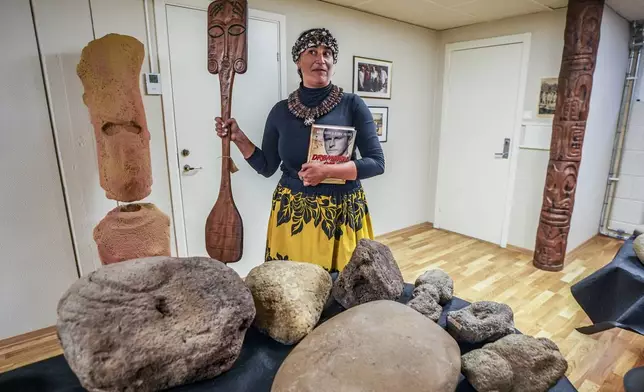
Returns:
point(312, 221)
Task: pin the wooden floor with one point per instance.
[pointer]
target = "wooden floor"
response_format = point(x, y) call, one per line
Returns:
point(542, 301)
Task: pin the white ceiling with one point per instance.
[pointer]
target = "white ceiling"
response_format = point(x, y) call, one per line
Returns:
point(629, 9)
point(446, 14)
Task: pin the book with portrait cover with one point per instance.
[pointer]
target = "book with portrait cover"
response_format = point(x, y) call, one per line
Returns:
point(330, 145)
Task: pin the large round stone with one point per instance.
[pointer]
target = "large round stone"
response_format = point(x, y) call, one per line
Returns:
point(289, 298)
point(154, 323)
point(380, 346)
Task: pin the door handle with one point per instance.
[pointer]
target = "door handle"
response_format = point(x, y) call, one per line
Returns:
point(506, 150)
point(190, 169)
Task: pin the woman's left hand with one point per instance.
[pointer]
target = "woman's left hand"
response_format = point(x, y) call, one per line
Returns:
point(313, 173)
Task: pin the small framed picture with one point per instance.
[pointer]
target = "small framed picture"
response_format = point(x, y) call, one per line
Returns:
point(548, 97)
point(372, 77)
point(381, 119)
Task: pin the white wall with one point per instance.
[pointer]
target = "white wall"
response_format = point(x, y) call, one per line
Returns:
point(628, 207)
point(36, 251)
point(608, 85)
point(547, 29)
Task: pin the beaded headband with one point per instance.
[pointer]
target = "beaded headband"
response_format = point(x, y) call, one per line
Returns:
point(313, 38)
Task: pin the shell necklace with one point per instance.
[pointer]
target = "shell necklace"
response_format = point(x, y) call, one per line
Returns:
point(309, 114)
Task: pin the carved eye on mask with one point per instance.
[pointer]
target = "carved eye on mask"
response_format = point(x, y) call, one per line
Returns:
point(216, 31)
point(236, 30)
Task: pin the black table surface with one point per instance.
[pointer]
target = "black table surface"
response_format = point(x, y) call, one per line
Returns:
point(254, 370)
point(613, 296)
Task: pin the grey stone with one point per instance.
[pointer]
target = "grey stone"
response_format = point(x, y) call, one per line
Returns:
point(427, 306)
point(380, 346)
point(153, 323)
point(638, 247)
point(441, 281)
point(372, 274)
point(289, 297)
point(515, 363)
point(426, 290)
point(483, 321)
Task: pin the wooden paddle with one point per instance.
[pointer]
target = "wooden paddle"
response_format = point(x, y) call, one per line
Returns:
point(227, 55)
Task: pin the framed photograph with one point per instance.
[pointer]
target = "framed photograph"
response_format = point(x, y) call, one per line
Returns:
point(548, 97)
point(372, 77)
point(381, 118)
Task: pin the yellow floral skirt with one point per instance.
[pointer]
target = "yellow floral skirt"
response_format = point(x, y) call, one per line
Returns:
point(318, 229)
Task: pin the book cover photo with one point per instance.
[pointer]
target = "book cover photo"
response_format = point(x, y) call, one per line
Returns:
point(330, 145)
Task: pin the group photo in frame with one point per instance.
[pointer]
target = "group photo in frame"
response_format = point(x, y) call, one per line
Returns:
point(547, 97)
point(372, 77)
point(381, 119)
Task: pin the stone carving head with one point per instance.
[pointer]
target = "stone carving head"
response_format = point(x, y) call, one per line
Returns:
point(227, 41)
point(109, 70)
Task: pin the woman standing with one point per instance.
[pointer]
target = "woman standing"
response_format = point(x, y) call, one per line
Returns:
point(310, 221)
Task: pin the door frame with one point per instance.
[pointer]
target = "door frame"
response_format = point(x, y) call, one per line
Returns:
point(525, 40)
point(167, 97)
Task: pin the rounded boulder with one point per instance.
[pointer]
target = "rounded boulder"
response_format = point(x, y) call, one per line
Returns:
point(379, 346)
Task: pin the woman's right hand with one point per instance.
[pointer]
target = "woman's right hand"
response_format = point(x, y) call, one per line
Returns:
point(229, 127)
point(236, 135)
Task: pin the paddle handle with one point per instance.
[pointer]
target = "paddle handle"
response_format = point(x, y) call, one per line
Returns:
point(226, 80)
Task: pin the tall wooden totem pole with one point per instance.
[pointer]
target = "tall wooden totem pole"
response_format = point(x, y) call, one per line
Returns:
point(582, 35)
point(227, 55)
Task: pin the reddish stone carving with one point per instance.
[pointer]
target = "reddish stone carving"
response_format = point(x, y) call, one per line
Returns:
point(132, 231)
point(227, 55)
point(109, 69)
point(581, 42)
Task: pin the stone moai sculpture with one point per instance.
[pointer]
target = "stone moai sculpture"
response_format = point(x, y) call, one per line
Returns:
point(109, 70)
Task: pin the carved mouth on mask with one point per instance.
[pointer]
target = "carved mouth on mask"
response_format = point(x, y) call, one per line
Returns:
point(557, 217)
point(112, 128)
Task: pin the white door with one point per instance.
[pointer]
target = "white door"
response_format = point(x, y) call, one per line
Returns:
point(36, 253)
point(482, 104)
point(196, 100)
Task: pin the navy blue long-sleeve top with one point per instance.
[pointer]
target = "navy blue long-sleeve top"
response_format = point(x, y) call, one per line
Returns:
point(286, 141)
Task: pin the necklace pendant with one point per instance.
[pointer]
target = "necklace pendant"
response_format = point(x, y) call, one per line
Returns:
point(309, 121)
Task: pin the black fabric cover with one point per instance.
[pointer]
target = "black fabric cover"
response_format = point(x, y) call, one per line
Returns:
point(254, 371)
point(613, 297)
point(634, 380)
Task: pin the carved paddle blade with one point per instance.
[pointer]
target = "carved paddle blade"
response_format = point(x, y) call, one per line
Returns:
point(225, 232)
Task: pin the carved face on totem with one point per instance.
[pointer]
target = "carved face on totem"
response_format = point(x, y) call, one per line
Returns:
point(581, 27)
point(558, 201)
point(227, 37)
point(109, 69)
point(559, 193)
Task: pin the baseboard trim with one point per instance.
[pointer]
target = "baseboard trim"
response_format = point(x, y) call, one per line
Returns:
point(26, 337)
point(525, 251)
point(419, 226)
point(573, 253)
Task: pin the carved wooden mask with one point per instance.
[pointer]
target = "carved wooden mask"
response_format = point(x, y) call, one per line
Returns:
point(227, 24)
point(109, 69)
